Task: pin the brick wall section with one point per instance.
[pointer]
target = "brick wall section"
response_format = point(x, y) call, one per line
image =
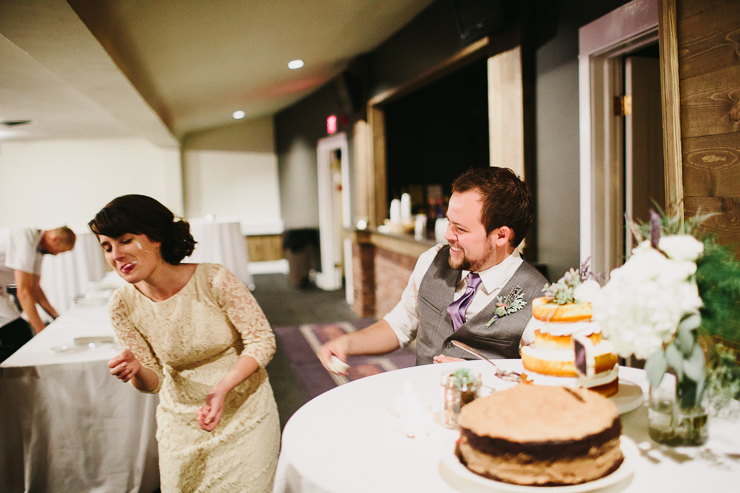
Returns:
point(363, 273)
point(392, 272)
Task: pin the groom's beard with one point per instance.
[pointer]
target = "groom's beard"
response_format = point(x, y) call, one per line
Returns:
point(469, 264)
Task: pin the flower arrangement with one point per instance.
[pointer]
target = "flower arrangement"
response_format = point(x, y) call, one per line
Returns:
point(576, 286)
point(677, 287)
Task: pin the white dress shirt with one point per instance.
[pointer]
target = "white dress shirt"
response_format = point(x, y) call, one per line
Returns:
point(404, 318)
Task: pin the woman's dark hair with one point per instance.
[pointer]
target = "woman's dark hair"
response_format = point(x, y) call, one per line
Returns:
point(506, 199)
point(142, 215)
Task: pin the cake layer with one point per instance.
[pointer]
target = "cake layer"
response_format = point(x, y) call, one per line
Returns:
point(529, 413)
point(559, 362)
point(599, 461)
point(585, 327)
point(606, 384)
point(552, 312)
point(547, 340)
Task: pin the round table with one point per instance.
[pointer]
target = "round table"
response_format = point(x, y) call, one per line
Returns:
point(349, 439)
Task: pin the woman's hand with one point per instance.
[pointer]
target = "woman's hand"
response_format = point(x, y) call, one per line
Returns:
point(125, 366)
point(209, 415)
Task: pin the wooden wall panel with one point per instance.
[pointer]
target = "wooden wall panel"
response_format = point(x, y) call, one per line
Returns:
point(726, 224)
point(710, 103)
point(265, 248)
point(687, 8)
point(712, 166)
point(709, 41)
point(709, 67)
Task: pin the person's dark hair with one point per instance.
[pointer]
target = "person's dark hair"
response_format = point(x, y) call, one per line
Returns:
point(139, 214)
point(506, 199)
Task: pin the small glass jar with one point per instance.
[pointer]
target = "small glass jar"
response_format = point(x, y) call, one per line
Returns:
point(457, 391)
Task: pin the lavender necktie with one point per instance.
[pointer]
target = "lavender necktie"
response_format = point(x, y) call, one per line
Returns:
point(457, 308)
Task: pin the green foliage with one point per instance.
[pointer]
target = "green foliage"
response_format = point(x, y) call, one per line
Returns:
point(718, 280)
point(464, 377)
point(723, 377)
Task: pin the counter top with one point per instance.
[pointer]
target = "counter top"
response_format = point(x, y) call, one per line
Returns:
point(404, 244)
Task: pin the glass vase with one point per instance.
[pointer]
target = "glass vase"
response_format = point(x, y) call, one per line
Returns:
point(455, 397)
point(671, 420)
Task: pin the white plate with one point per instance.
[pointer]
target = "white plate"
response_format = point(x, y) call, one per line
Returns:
point(463, 479)
point(628, 397)
point(65, 348)
point(94, 340)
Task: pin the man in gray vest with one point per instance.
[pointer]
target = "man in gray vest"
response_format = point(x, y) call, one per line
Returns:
point(476, 290)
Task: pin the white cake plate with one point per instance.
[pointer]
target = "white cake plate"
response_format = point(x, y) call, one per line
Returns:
point(629, 396)
point(463, 479)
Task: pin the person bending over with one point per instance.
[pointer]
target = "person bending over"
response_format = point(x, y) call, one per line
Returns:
point(21, 253)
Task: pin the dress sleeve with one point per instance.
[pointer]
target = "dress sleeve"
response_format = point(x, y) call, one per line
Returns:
point(245, 314)
point(131, 339)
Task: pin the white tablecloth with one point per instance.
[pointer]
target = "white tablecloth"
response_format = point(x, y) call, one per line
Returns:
point(69, 274)
point(220, 241)
point(349, 440)
point(67, 425)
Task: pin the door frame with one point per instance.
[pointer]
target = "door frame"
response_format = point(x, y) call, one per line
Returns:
point(601, 45)
point(330, 277)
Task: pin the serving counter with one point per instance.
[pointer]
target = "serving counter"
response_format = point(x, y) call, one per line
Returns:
point(381, 266)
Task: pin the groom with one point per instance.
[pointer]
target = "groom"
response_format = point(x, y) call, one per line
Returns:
point(476, 290)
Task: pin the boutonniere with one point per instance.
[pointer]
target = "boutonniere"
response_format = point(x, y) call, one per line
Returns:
point(511, 304)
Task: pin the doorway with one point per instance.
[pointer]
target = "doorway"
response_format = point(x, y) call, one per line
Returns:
point(334, 212)
point(610, 174)
point(644, 172)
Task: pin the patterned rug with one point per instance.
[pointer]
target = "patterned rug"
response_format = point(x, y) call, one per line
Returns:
point(301, 344)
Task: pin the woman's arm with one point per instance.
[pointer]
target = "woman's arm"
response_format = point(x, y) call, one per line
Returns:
point(127, 368)
point(209, 415)
point(245, 315)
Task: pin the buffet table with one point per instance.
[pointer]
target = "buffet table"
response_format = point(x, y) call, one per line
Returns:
point(65, 423)
point(220, 241)
point(350, 439)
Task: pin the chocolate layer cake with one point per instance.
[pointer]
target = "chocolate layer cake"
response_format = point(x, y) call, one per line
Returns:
point(532, 435)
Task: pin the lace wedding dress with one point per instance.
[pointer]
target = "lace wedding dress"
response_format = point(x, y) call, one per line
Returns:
point(191, 341)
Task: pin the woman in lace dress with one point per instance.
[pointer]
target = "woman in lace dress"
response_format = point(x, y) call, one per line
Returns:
point(195, 334)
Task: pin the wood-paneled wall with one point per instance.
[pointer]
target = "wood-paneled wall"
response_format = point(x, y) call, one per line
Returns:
point(265, 248)
point(709, 82)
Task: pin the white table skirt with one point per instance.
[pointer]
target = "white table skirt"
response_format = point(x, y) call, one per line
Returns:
point(349, 440)
point(66, 424)
point(69, 274)
point(220, 241)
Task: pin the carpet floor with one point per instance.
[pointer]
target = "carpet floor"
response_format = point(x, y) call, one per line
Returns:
point(300, 344)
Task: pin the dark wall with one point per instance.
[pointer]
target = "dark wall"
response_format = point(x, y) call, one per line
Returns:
point(429, 39)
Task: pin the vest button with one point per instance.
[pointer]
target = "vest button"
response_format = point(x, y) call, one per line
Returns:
point(448, 345)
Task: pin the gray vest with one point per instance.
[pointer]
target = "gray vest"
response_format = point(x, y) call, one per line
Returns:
point(500, 340)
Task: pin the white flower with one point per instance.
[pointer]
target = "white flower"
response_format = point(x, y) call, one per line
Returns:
point(641, 306)
point(681, 247)
point(586, 291)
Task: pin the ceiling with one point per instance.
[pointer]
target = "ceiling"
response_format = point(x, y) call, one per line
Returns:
point(164, 69)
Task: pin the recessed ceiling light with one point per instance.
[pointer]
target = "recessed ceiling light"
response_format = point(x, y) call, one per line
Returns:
point(294, 64)
point(238, 115)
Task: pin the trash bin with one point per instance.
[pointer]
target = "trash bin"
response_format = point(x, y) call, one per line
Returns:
point(301, 247)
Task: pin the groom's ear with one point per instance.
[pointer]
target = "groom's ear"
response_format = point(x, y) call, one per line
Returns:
point(502, 236)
